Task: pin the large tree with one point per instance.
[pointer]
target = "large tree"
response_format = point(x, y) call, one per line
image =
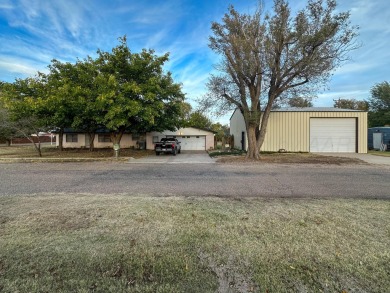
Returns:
point(87, 113)
point(352, 104)
point(7, 131)
point(221, 131)
point(379, 105)
point(135, 93)
point(21, 101)
point(267, 57)
point(58, 103)
point(199, 120)
point(300, 102)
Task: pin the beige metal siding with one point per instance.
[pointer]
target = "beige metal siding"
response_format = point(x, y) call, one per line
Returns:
point(290, 130)
point(237, 126)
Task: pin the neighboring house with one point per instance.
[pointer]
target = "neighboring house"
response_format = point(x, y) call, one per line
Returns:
point(379, 138)
point(308, 130)
point(191, 139)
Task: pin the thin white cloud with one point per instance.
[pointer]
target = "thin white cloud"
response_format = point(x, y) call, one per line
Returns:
point(19, 66)
point(6, 5)
point(327, 99)
point(66, 29)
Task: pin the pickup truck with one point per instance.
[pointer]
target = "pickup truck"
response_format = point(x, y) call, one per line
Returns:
point(167, 145)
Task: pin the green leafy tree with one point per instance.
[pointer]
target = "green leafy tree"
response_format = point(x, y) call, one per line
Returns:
point(135, 93)
point(87, 113)
point(21, 102)
point(300, 102)
point(270, 57)
point(7, 131)
point(185, 114)
point(350, 104)
point(59, 101)
point(199, 120)
point(379, 105)
point(221, 131)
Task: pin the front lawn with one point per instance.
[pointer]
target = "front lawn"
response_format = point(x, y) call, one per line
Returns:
point(284, 158)
point(379, 153)
point(124, 243)
point(28, 151)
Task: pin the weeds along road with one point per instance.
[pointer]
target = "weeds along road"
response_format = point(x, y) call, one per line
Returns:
point(267, 180)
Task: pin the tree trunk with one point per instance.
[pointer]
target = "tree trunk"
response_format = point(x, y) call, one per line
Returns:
point(36, 146)
point(91, 141)
point(39, 147)
point(116, 138)
point(61, 139)
point(253, 149)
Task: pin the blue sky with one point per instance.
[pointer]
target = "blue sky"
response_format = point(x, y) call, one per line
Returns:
point(33, 32)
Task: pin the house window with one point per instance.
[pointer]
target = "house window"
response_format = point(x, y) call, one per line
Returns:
point(71, 137)
point(104, 138)
point(155, 139)
point(135, 136)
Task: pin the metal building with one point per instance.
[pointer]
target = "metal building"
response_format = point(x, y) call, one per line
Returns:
point(308, 130)
point(379, 138)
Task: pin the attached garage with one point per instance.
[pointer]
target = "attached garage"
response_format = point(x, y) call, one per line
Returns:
point(334, 135)
point(309, 130)
point(195, 143)
point(191, 138)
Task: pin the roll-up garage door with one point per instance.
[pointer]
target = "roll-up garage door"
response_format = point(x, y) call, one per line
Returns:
point(334, 135)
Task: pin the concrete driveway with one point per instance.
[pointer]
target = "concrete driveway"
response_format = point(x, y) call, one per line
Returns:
point(186, 157)
point(368, 158)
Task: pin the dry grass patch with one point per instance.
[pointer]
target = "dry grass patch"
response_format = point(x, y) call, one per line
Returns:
point(291, 158)
point(53, 152)
point(123, 243)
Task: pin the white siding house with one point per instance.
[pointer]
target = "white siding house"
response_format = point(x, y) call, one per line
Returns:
point(191, 139)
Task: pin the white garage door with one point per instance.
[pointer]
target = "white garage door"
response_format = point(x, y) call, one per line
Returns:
point(192, 143)
point(333, 135)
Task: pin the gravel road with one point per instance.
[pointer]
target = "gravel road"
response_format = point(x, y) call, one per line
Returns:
point(267, 180)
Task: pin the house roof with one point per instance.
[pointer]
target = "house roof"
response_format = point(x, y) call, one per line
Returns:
point(309, 109)
point(72, 130)
point(106, 131)
point(204, 129)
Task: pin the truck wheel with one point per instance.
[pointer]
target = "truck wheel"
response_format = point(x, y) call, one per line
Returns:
point(157, 153)
point(174, 152)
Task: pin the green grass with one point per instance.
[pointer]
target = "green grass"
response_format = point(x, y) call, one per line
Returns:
point(123, 243)
point(378, 153)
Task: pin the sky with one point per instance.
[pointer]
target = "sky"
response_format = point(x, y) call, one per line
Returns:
point(33, 32)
